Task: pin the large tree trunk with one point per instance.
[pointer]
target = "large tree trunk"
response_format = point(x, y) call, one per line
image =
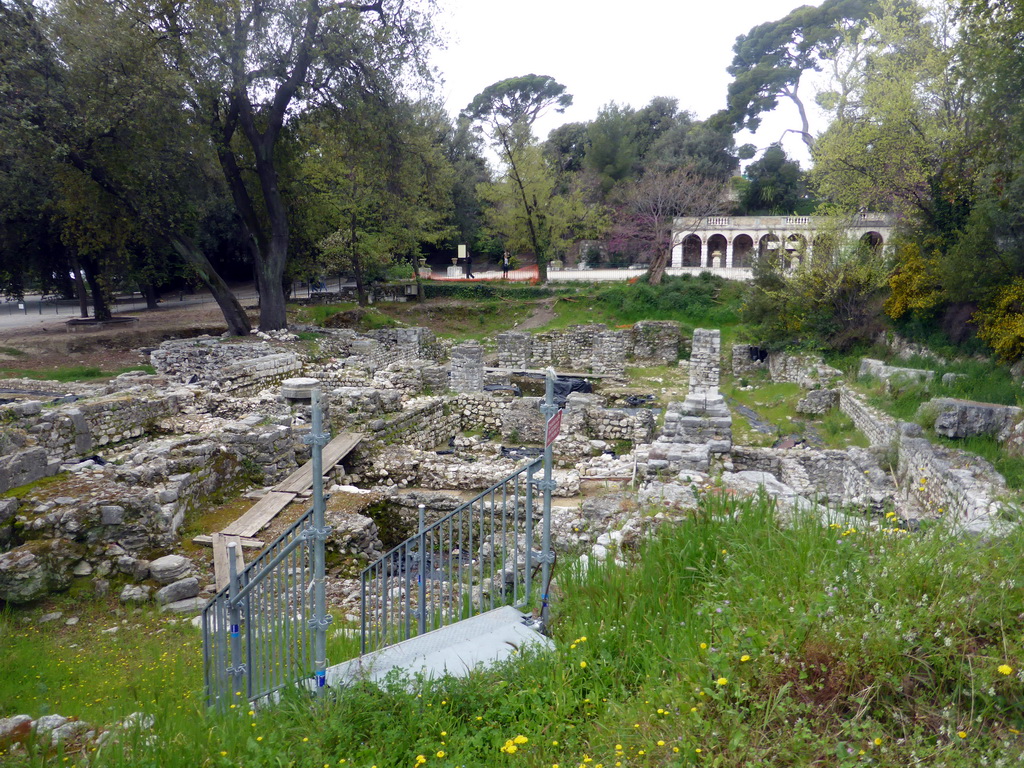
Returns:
point(152, 297)
point(234, 314)
point(658, 265)
point(100, 305)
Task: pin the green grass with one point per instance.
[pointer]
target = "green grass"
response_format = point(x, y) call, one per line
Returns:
point(838, 431)
point(704, 301)
point(72, 373)
point(729, 641)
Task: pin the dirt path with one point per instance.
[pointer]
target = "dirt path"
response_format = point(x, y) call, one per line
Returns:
point(48, 345)
point(543, 314)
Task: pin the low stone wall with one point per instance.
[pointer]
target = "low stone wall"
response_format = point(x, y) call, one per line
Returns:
point(653, 342)
point(879, 428)
point(37, 439)
point(748, 360)
point(808, 371)
point(353, 406)
point(878, 369)
point(932, 480)
point(248, 377)
point(423, 423)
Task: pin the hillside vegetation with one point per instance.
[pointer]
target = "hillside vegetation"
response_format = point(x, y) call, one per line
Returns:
point(727, 640)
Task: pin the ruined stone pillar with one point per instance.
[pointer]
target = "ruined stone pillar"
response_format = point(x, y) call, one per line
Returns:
point(609, 356)
point(728, 254)
point(514, 349)
point(677, 255)
point(468, 367)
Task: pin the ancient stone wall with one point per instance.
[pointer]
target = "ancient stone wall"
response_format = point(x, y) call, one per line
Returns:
point(468, 367)
point(247, 377)
point(514, 349)
point(806, 370)
point(609, 353)
point(879, 370)
point(37, 440)
point(878, 427)
point(424, 423)
point(655, 342)
point(933, 480)
point(747, 360)
point(579, 347)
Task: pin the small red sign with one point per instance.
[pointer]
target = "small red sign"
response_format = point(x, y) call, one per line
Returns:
point(554, 427)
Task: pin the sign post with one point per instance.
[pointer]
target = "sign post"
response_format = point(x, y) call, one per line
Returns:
point(554, 428)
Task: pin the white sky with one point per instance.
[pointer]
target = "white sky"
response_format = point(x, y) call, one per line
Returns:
point(606, 51)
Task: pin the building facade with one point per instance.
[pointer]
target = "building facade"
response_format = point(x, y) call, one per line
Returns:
point(730, 244)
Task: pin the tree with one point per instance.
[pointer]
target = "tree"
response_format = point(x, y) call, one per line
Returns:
point(772, 57)
point(897, 142)
point(652, 205)
point(526, 211)
point(251, 65)
point(377, 185)
point(776, 184)
point(566, 147)
point(832, 301)
point(86, 91)
point(507, 111)
point(612, 151)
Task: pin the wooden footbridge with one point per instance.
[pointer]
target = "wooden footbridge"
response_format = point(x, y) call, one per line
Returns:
point(242, 530)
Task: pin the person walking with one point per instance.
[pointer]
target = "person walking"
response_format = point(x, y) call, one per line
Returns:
point(469, 266)
point(505, 264)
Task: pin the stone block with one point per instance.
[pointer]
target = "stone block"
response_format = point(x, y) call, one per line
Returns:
point(111, 514)
point(190, 605)
point(170, 568)
point(964, 418)
point(818, 401)
point(177, 591)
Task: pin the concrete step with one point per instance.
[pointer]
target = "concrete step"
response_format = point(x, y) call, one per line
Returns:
point(479, 641)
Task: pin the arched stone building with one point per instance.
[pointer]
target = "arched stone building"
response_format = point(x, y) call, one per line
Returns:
point(728, 245)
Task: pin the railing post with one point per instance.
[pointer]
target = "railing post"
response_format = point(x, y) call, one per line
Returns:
point(317, 535)
point(236, 669)
point(547, 485)
point(421, 546)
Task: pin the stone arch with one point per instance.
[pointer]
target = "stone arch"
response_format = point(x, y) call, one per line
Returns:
point(691, 251)
point(825, 244)
point(742, 250)
point(796, 249)
point(717, 243)
point(768, 245)
point(873, 240)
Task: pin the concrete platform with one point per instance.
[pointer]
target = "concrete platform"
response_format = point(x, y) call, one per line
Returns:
point(456, 650)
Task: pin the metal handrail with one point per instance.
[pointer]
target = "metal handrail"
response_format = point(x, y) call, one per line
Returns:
point(479, 556)
point(267, 628)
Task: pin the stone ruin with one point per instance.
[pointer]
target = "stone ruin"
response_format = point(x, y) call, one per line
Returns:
point(133, 459)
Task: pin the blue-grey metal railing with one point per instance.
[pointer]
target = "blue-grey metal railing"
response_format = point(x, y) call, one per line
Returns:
point(267, 628)
point(478, 557)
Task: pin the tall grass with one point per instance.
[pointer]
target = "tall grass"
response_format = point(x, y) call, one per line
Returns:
point(72, 373)
point(729, 640)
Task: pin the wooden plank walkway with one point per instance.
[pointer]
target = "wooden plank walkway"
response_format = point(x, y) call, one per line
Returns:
point(206, 540)
point(302, 479)
point(259, 514)
point(221, 564)
point(267, 508)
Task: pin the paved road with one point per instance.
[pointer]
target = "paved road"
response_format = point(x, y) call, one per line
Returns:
point(35, 312)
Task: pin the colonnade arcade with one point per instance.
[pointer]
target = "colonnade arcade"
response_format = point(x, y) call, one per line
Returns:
point(728, 242)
